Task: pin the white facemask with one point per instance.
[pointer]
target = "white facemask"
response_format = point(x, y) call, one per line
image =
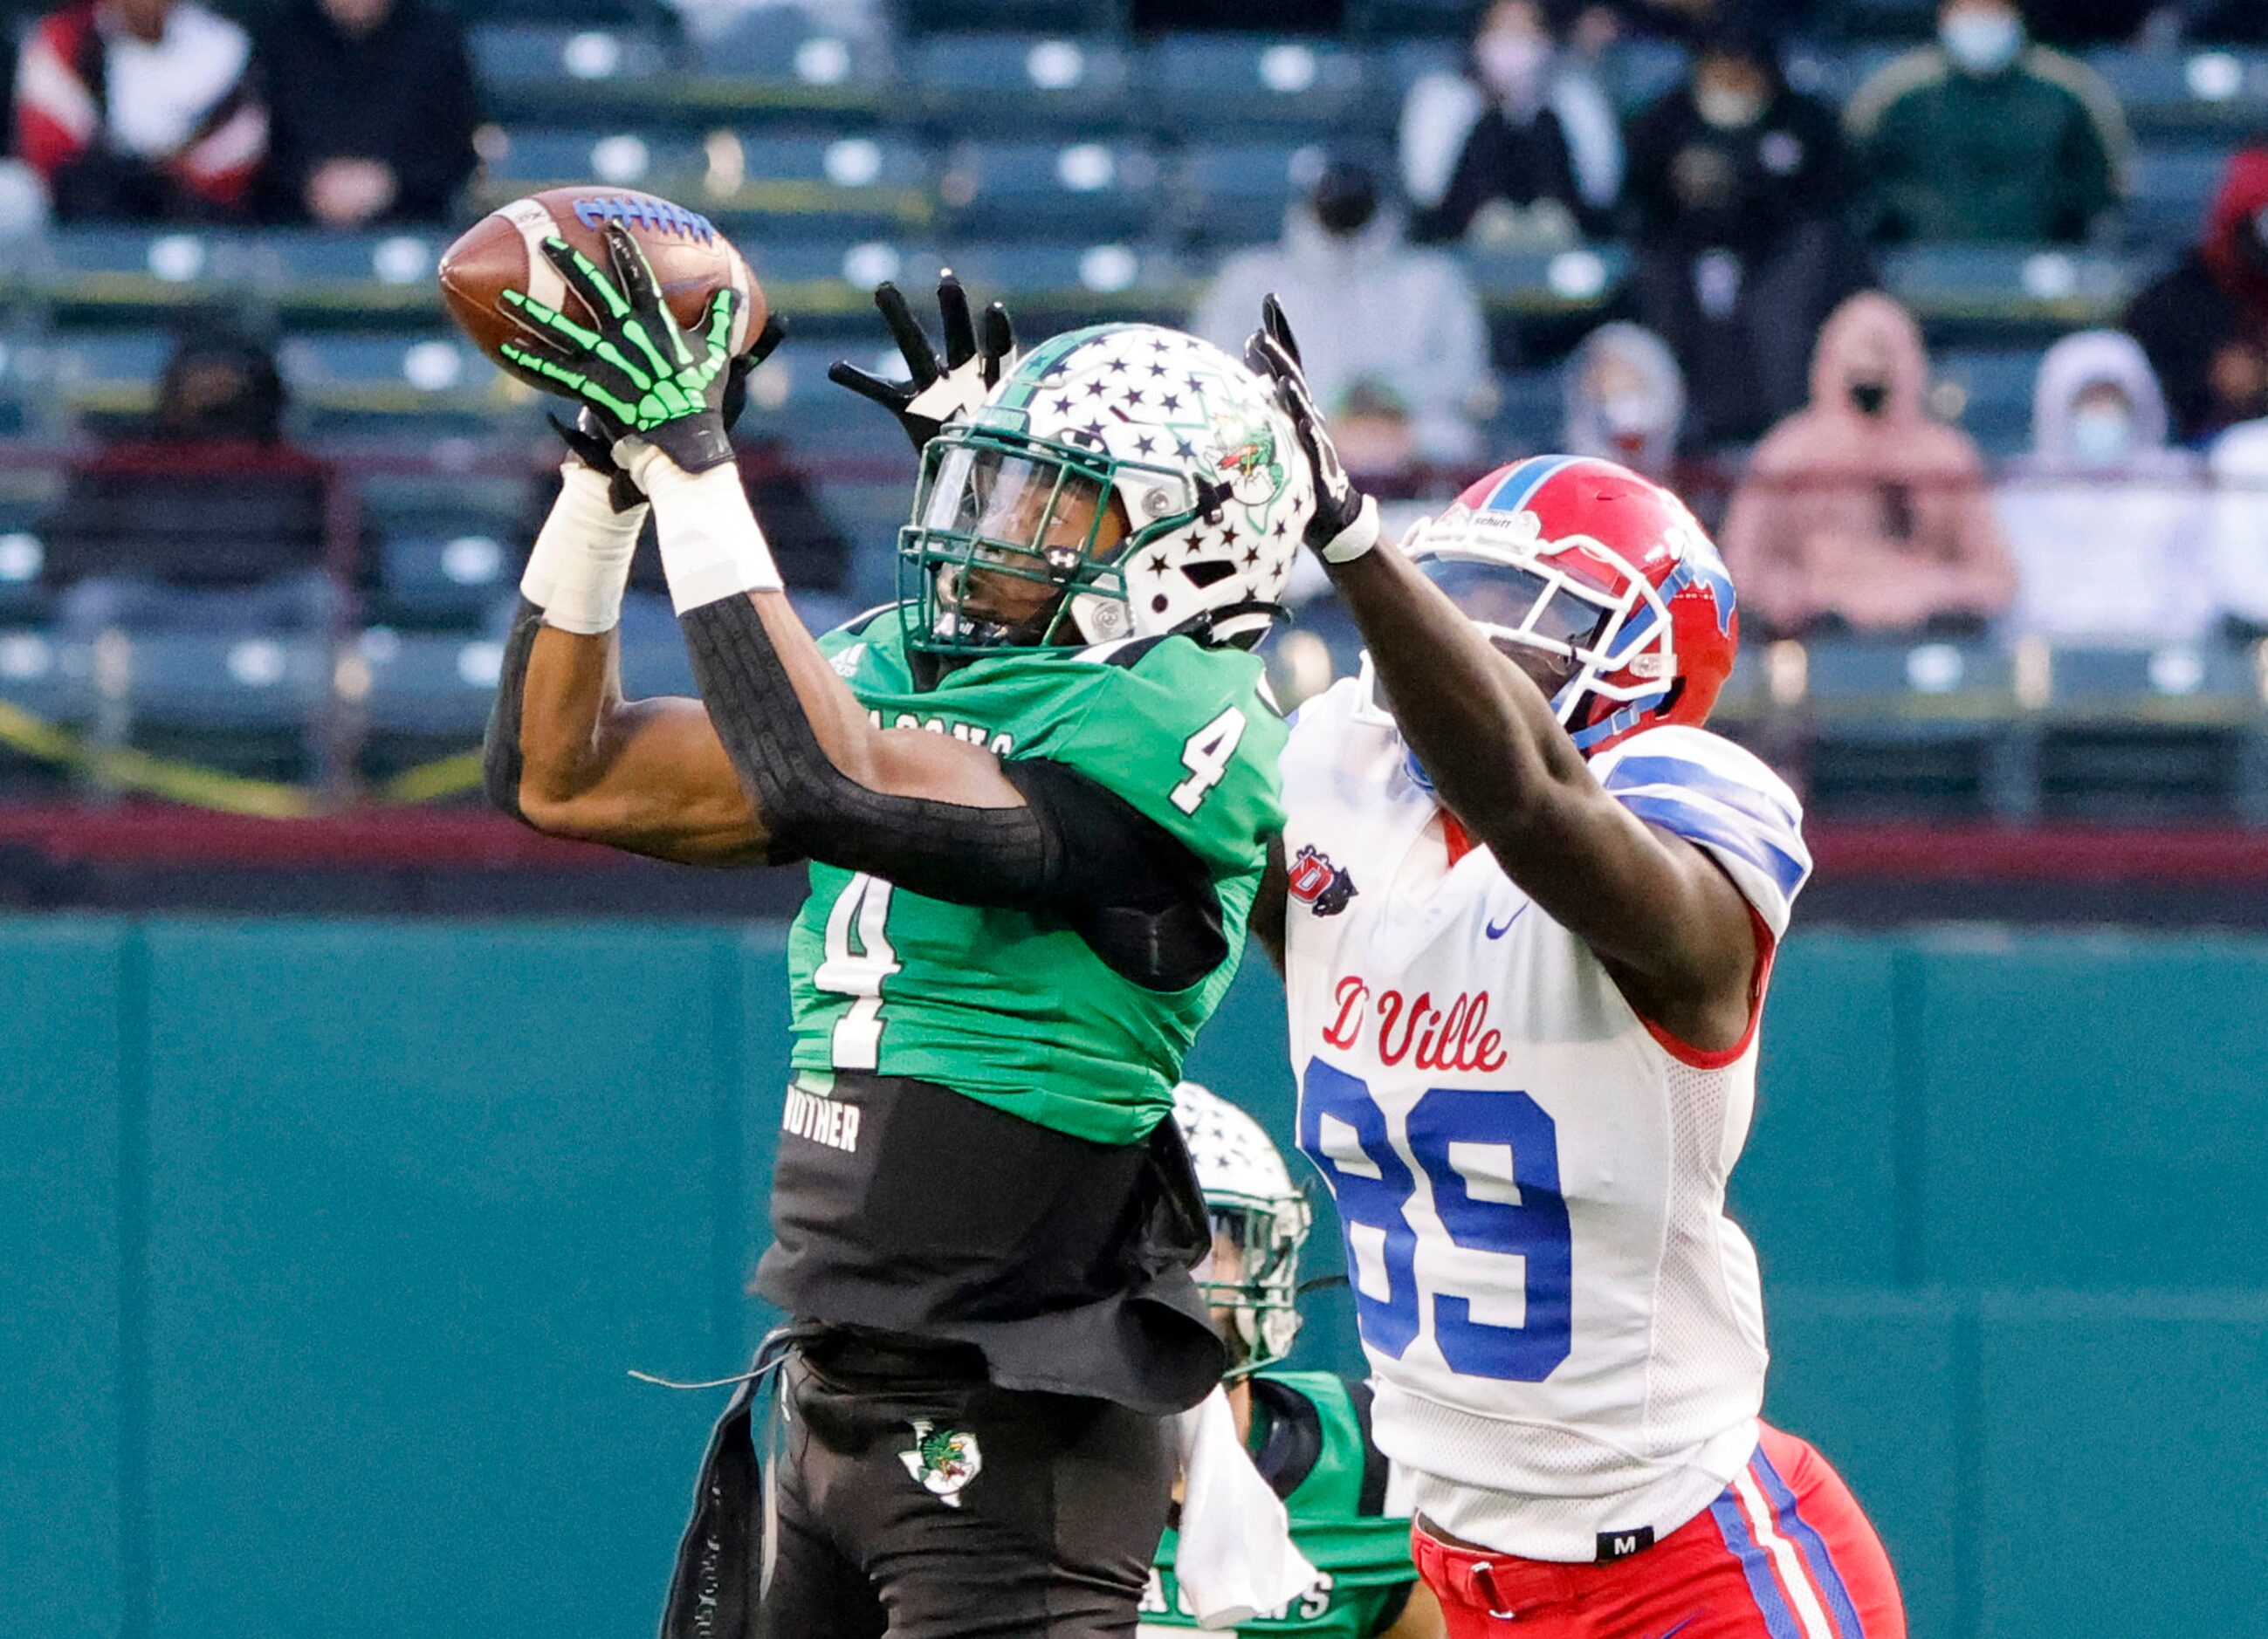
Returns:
point(1982, 42)
point(1627, 415)
point(1513, 63)
point(1728, 110)
point(2101, 434)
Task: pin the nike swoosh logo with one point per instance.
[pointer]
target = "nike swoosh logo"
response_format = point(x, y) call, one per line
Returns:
point(1496, 931)
point(1680, 1628)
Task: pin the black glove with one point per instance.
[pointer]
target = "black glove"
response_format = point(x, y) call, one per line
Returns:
point(1345, 522)
point(938, 392)
point(587, 438)
point(637, 372)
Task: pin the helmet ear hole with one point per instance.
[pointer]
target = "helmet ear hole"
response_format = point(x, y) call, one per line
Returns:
point(1207, 572)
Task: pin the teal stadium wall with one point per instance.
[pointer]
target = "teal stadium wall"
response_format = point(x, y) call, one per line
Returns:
point(325, 1248)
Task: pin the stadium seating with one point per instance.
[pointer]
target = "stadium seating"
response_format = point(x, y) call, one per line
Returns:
point(1016, 191)
point(1223, 83)
point(1077, 173)
point(1989, 390)
point(1021, 85)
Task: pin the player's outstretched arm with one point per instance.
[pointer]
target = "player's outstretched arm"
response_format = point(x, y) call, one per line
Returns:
point(931, 813)
point(565, 753)
point(1668, 923)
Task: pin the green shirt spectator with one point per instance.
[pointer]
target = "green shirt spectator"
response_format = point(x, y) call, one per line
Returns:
point(1984, 136)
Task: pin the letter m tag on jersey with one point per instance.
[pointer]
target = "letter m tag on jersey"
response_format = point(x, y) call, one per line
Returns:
point(1316, 883)
point(943, 1459)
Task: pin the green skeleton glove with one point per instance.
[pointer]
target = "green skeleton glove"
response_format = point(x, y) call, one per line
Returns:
point(635, 370)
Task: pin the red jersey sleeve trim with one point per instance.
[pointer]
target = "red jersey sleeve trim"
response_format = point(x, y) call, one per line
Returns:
point(1701, 1058)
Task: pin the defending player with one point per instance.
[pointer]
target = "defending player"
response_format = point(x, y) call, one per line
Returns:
point(1308, 1431)
point(1035, 797)
point(1531, 907)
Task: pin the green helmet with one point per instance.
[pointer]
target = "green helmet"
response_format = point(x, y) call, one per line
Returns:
point(1015, 540)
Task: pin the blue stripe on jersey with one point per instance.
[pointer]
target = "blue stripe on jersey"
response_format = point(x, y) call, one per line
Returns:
point(1698, 824)
point(1756, 1565)
point(1758, 802)
point(1524, 480)
point(1811, 1545)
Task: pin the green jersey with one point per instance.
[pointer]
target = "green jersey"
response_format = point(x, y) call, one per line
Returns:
point(1306, 1428)
point(1016, 1009)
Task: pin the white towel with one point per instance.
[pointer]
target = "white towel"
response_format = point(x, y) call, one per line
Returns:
point(1235, 1560)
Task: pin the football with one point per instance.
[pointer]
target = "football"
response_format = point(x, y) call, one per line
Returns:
point(500, 253)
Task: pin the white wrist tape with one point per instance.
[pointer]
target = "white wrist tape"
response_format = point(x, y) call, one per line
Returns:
point(1357, 538)
point(711, 545)
point(581, 560)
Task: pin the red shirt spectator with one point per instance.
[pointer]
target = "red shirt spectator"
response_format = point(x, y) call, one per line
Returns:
point(138, 109)
point(2205, 323)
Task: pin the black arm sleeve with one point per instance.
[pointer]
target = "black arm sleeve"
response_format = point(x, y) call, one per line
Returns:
point(500, 758)
point(1142, 900)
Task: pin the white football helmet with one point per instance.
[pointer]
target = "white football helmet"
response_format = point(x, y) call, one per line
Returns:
point(1252, 1202)
point(1016, 541)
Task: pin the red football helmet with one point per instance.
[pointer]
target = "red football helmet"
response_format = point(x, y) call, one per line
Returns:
point(1605, 571)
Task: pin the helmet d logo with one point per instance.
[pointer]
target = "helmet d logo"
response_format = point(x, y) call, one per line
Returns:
point(943, 1459)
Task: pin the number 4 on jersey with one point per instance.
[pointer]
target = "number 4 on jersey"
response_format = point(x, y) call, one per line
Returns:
point(1206, 757)
point(858, 958)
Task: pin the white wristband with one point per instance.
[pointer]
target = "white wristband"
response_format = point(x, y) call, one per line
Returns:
point(1357, 538)
point(711, 545)
point(581, 560)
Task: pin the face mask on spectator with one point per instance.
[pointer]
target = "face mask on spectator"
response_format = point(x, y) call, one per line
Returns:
point(1513, 63)
point(1870, 396)
point(1982, 42)
point(1345, 199)
point(2101, 434)
point(1629, 421)
point(1728, 110)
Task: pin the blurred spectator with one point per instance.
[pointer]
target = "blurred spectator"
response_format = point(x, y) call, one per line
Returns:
point(1367, 308)
point(1523, 141)
point(2237, 540)
point(2205, 323)
point(139, 110)
point(371, 105)
point(1984, 137)
point(1860, 510)
point(204, 515)
point(1600, 23)
point(2107, 522)
point(2093, 22)
point(1735, 213)
point(2219, 22)
point(1272, 16)
point(1625, 400)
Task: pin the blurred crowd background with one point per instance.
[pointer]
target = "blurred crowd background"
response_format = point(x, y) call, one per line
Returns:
point(1951, 321)
point(326, 1240)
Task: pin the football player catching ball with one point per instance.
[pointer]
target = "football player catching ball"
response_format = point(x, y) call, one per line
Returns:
point(1034, 795)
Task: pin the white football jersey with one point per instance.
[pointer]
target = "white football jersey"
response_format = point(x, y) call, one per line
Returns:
point(1565, 1327)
